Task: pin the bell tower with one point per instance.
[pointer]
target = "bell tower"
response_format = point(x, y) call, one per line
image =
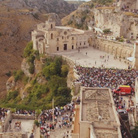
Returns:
point(50, 24)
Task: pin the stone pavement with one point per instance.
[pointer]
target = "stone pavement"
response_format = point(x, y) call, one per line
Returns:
point(90, 57)
point(26, 126)
point(58, 133)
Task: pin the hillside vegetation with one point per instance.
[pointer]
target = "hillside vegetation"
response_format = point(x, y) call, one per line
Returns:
point(84, 15)
point(39, 90)
point(17, 19)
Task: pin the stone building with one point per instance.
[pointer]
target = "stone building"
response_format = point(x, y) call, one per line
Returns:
point(132, 4)
point(136, 56)
point(49, 38)
point(119, 23)
point(118, 49)
point(98, 117)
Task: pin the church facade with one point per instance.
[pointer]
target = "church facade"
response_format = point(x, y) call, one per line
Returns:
point(48, 38)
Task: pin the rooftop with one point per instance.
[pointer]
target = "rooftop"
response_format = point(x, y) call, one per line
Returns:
point(74, 31)
point(97, 108)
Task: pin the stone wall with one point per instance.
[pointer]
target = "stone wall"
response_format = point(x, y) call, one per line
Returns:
point(136, 99)
point(5, 124)
point(20, 116)
point(136, 56)
point(118, 49)
point(13, 135)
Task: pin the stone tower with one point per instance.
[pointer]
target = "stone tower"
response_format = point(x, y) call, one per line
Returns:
point(50, 24)
point(136, 55)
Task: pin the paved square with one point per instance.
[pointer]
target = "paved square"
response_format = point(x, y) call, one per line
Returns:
point(90, 57)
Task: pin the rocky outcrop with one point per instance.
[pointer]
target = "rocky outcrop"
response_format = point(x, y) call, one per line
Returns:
point(55, 6)
point(17, 19)
point(120, 22)
point(10, 84)
point(25, 68)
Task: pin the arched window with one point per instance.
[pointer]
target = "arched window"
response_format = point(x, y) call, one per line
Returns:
point(51, 26)
point(51, 36)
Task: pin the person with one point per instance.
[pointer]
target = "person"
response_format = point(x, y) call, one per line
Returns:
point(64, 135)
point(86, 53)
point(10, 124)
point(31, 136)
point(67, 134)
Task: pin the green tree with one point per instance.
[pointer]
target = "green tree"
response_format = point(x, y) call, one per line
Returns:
point(50, 70)
point(38, 112)
point(62, 100)
point(31, 68)
point(65, 91)
point(64, 70)
point(56, 82)
point(134, 132)
point(31, 59)
point(12, 95)
point(28, 49)
point(58, 63)
point(18, 75)
point(107, 31)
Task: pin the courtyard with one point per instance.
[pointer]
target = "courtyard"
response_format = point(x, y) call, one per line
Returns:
point(21, 125)
point(90, 57)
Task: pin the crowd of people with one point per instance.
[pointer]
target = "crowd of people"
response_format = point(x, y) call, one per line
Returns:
point(102, 77)
point(3, 114)
point(121, 103)
point(57, 118)
point(25, 112)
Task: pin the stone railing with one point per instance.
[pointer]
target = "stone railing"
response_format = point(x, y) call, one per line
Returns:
point(69, 61)
point(13, 135)
point(22, 116)
point(72, 134)
point(115, 41)
point(5, 122)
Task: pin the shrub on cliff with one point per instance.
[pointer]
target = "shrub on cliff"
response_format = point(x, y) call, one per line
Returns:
point(107, 31)
point(52, 68)
point(103, 2)
point(64, 70)
point(18, 75)
point(28, 49)
point(39, 96)
point(31, 68)
point(12, 95)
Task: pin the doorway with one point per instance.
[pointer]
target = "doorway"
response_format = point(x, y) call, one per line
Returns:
point(65, 46)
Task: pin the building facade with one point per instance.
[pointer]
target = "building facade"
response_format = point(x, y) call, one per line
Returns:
point(48, 38)
point(97, 115)
point(135, 56)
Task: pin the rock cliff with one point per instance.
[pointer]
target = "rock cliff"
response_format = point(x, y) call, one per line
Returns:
point(121, 20)
point(17, 19)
